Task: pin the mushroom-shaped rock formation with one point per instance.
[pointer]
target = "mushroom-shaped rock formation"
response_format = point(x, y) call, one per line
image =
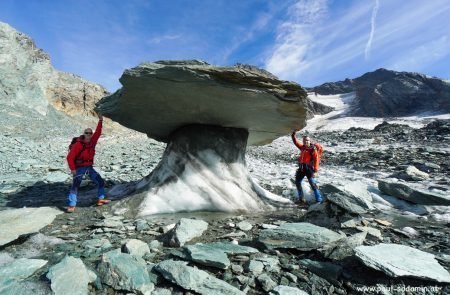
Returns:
point(207, 115)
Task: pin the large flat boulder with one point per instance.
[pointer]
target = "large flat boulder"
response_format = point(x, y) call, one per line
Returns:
point(353, 203)
point(13, 273)
point(62, 277)
point(406, 192)
point(302, 236)
point(159, 97)
point(402, 261)
point(17, 222)
point(194, 279)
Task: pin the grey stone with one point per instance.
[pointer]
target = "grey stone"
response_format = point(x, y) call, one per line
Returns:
point(270, 263)
point(20, 269)
point(95, 247)
point(303, 236)
point(224, 93)
point(286, 290)
point(184, 231)
point(136, 248)
point(244, 225)
point(353, 203)
point(266, 282)
point(125, 272)
point(399, 260)
point(194, 279)
point(141, 225)
point(17, 222)
point(254, 266)
point(371, 231)
point(237, 269)
point(416, 174)
point(326, 270)
point(346, 247)
point(57, 176)
point(408, 193)
point(155, 244)
point(209, 256)
point(70, 276)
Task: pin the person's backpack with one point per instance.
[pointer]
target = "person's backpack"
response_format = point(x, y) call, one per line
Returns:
point(74, 140)
point(319, 149)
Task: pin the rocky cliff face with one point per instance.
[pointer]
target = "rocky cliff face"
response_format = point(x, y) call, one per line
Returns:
point(27, 78)
point(385, 93)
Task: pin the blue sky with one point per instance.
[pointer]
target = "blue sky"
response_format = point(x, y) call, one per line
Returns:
point(310, 42)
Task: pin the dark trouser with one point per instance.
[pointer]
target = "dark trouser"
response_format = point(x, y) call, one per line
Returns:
point(302, 171)
point(93, 175)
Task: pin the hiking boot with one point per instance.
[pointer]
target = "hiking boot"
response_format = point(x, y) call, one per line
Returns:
point(300, 202)
point(101, 202)
point(70, 209)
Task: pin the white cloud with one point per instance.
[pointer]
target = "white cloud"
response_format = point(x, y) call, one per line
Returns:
point(372, 29)
point(422, 56)
point(159, 39)
point(295, 37)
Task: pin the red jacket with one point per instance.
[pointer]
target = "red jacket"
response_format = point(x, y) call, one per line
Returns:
point(81, 156)
point(308, 155)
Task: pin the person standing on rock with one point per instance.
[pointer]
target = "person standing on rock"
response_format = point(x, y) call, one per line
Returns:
point(80, 159)
point(308, 166)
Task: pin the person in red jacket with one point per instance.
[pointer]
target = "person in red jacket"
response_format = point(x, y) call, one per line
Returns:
point(308, 166)
point(80, 160)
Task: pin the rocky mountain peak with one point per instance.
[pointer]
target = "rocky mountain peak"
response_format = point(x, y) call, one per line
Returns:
point(384, 93)
point(27, 79)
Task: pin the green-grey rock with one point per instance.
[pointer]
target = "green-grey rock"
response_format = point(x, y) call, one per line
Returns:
point(302, 236)
point(346, 247)
point(17, 222)
point(207, 255)
point(125, 272)
point(194, 279)
point(254, 266)
point(353, 203)
point(402, 261)
point(95, 247)
point(244, 225)
point(184, 231)
point(286, 290)
point(326, 270)
point(70, 276)
point(418, 196)
point(12, 273)
point(136, 248)
point(266, 282)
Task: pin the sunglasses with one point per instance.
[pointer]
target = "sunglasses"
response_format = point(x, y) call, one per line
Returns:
point(87, 133)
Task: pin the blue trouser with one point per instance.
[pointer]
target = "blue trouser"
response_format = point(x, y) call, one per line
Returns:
point(93, 175)
point(302, 171)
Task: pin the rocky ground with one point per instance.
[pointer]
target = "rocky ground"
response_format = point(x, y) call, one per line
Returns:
point(247, 260)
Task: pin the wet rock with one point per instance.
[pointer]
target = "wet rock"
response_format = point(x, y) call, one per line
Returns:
point(184, 231)
point(70, 276)
point(399, 260)
point(17, 222)
point(11, 274)
point(303, 236)
point(417, 196)
point(136, 248)
point(194, 279)
point(286, 290)
point(125, 272)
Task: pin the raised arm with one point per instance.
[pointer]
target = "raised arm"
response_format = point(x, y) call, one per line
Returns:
point(295, 140)
point(98, 131)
